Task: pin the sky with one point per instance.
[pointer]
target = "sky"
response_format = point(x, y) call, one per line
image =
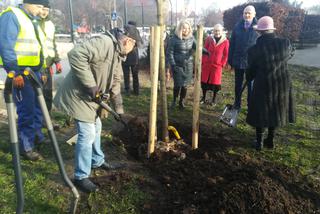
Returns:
point(225, 4)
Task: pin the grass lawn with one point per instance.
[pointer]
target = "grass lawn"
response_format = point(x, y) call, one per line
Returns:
point(297, 146)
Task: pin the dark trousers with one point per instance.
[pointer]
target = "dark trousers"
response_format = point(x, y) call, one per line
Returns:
point(29, 115)
point(135, 78)
point(239, 77)
point(47, 90)
point(183, 93)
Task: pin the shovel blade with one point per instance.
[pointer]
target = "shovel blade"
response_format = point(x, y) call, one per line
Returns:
point(229, 116)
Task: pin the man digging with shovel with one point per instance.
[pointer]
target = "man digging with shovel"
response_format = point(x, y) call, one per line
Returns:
point(95, 69)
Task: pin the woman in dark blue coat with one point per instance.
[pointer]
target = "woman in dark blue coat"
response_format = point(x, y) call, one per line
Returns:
point(180, 56)
point(271, 103)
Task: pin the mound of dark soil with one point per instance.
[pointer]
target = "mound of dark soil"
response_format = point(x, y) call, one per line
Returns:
point(213, 180)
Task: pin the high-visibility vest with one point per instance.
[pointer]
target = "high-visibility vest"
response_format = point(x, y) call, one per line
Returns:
point(27, 47)
point(48, 48)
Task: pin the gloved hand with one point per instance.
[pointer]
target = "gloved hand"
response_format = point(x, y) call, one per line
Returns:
point(44, 78)
point(93, 92)
point(51, 70)
point(18, 81)
point(58, 67)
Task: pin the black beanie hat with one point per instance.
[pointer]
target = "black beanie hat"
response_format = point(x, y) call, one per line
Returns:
point(45, 3)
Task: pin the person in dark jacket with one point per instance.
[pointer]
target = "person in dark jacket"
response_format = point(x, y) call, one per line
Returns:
point(271, 103)
point(242, 38)
point(132, 64)
point(180, 56)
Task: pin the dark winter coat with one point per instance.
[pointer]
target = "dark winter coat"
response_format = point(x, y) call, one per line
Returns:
point(132, 57)
point(271, 103)
point(213, 63)
point(180, 56)
point(241, 40)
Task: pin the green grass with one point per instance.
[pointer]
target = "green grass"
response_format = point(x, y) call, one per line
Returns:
point(297, 146)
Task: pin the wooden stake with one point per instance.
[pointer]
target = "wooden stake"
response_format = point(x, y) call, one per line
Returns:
point(162, 76)
point(196, 93)
point(154, 90)
point(151, 49)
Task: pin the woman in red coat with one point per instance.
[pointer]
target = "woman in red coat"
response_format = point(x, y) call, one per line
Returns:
point(212, 64)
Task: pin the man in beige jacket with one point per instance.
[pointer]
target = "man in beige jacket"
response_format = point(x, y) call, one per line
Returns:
point(95, 68)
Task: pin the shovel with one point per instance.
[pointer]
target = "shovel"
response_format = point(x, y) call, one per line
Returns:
point(29, 74)
point(8, 96)
point(230, 114)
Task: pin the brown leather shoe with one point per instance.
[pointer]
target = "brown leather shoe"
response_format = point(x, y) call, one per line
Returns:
point(32, 156)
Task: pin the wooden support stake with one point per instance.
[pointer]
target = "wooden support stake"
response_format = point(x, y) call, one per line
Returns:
point(154, 67)
point(151, 49)
point(196, 93)
point(162, 76)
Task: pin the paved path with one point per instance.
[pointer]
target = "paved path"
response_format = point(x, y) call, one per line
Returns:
point(308, 57)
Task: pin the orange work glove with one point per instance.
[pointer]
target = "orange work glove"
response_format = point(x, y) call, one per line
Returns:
point(58, 67)
point(44, 78)
point(18, 81)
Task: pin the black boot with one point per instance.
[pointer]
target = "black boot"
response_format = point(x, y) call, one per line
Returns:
point(268, 142)
point(183, 94)
point(176, 91)
point(259, 139)
point(181, 103)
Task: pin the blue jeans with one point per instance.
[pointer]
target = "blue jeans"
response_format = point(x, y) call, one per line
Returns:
point(239, 76)
point(88, 148)
point(29, 115)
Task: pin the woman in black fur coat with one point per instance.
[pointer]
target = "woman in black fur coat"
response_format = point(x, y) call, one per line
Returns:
point(271, 104)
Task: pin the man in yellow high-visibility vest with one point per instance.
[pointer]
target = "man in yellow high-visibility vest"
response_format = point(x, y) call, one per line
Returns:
point(50, 53)
point(21, 47)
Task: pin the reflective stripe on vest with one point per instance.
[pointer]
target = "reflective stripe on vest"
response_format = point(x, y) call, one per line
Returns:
point(27, 47)
point(49, 30)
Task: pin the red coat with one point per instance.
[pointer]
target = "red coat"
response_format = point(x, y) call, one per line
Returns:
point(212, 65)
